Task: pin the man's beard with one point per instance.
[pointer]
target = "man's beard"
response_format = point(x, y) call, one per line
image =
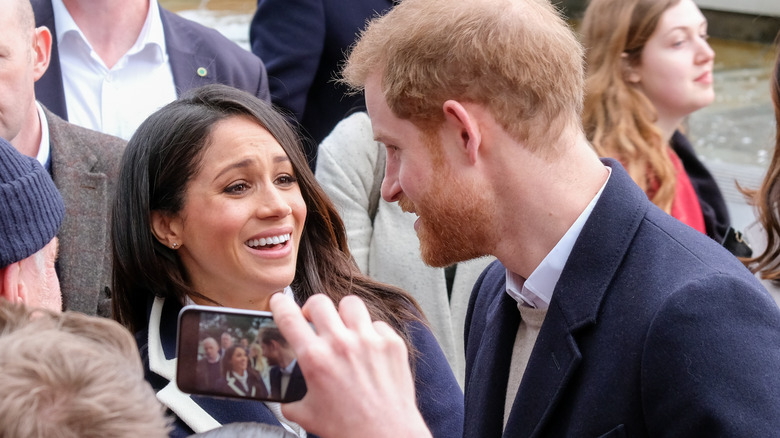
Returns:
point(454, 223)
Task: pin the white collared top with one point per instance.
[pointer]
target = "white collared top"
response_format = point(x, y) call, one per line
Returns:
point(44, 149)
point(538, 289)
point(115, 100)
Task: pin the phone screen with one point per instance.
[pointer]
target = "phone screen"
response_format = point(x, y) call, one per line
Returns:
point(235, 353)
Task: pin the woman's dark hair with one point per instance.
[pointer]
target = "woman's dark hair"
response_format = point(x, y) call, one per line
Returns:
point(228, 357)
point(161, 158)
point(767, 198)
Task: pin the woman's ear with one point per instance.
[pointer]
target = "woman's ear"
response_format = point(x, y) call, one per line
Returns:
point(630, 73)
point(167, 229)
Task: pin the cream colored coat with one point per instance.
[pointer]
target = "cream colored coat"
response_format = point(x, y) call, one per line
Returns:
point(350, 166)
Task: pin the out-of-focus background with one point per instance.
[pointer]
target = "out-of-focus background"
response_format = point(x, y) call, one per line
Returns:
point(734, 136)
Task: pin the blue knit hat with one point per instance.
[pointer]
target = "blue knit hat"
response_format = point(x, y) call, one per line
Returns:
point(31, 208)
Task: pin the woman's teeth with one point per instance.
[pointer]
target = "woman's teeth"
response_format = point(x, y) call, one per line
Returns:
point(268, 241)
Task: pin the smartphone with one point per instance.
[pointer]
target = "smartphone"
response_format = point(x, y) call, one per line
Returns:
point(235, 353)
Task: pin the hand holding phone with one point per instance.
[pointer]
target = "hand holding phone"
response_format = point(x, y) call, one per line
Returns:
point(235, 353)
point(359, 380)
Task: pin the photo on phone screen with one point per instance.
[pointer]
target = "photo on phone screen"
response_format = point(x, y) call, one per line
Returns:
point(235, 353)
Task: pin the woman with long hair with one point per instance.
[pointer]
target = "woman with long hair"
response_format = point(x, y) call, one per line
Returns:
point(648, 67)
point(238, 378)
point(765, 234)
point(216, 205)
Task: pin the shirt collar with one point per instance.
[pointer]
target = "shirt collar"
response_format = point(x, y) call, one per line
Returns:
point(290, 367)
point(152, 33)
point(44, 149)
point(63, 22)
point(537, 290)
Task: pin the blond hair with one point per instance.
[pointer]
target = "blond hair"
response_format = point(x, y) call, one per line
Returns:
point(518, 58)
point(72, 375)
point(619, 120)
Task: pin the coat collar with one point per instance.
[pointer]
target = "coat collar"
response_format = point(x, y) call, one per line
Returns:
point(180, 403)
point(86, 190)
point(193, 68)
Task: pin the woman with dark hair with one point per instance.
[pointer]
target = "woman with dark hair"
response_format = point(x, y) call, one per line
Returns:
point(216, 205)
point(765, 234)
point(648, 67)
point(238, 378)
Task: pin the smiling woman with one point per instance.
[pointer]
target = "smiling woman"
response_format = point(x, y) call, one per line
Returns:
point(238, 233)
point(216, 205)
point(648, 67)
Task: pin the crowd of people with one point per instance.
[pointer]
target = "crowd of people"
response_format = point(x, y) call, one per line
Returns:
point(467, 220)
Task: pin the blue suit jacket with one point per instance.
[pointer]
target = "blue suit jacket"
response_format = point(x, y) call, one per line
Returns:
point(303, 43)
point(653, 330)
point(296, 389)
point(189, 45)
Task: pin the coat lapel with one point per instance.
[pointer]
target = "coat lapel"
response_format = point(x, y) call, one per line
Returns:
point(554, 359)
point(486, 389)
point(190, 68)
point(84, 231)
point(578, 295)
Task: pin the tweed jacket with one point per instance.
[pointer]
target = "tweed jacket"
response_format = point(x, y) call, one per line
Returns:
point(382, 239)
point(653, 330)
point(190, 47)
point(85, 168)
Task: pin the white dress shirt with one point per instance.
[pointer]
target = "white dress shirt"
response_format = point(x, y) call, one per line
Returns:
point(537, 290)
point(44, 149)
point(115, 100)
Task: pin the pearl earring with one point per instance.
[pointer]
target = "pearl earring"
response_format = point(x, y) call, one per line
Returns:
point(174, 245)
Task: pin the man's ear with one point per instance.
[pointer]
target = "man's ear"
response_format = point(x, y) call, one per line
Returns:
point(42, 41)
point(12, 287)
point(465, 123)
point(167, 229)
point(630, 73)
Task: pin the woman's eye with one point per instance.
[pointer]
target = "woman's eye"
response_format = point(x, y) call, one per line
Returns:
point(286, 180)
point(236, 188)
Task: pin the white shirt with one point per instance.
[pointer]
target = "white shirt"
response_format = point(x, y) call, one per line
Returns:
point(116, 100)
point(538, 289)
point(44, 149)
point(286, 373)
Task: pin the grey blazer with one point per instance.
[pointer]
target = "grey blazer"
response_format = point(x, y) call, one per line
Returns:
point(85, 166)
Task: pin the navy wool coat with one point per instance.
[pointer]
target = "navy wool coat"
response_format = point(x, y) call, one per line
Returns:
point(653, 330)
